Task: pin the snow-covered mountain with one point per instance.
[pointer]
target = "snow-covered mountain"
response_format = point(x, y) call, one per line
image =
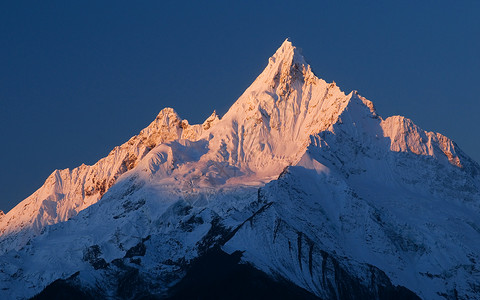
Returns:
point(311, 190)
point(66, 192)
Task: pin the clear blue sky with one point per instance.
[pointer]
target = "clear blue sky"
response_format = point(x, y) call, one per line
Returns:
point(79, 77)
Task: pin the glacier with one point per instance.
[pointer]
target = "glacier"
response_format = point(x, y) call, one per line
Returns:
point(298, 180)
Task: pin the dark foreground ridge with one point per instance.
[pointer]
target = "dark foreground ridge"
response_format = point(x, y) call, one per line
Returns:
point(218, 275)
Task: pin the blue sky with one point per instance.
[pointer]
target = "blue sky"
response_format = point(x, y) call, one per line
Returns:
point(79, 77)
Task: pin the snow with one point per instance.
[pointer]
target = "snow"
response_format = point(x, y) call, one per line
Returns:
point(67, 192)
point(295, 171)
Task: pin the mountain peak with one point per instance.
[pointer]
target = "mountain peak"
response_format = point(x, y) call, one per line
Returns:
point(286, 69)
point(167, 112)
point(287, 58)
point(287, 45)
point(288, 52)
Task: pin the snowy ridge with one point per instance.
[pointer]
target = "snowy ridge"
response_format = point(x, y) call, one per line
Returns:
point(310, 183)
point(268, 127)
point(66, 192)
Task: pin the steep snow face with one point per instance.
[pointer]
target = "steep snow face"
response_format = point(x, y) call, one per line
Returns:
point(407, 137)
point(341, 213)
point(368, 193)
point(361, 145)
point(318, 225)
point(269, 126)
point(66, 192)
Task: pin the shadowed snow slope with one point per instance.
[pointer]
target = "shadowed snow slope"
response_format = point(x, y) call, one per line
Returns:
point(313, 186)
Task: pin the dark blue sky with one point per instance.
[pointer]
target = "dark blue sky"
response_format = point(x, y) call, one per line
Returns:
point(79, 77)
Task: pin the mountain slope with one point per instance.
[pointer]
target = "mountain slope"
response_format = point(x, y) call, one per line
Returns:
point(66, 192)
point(309, 184)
